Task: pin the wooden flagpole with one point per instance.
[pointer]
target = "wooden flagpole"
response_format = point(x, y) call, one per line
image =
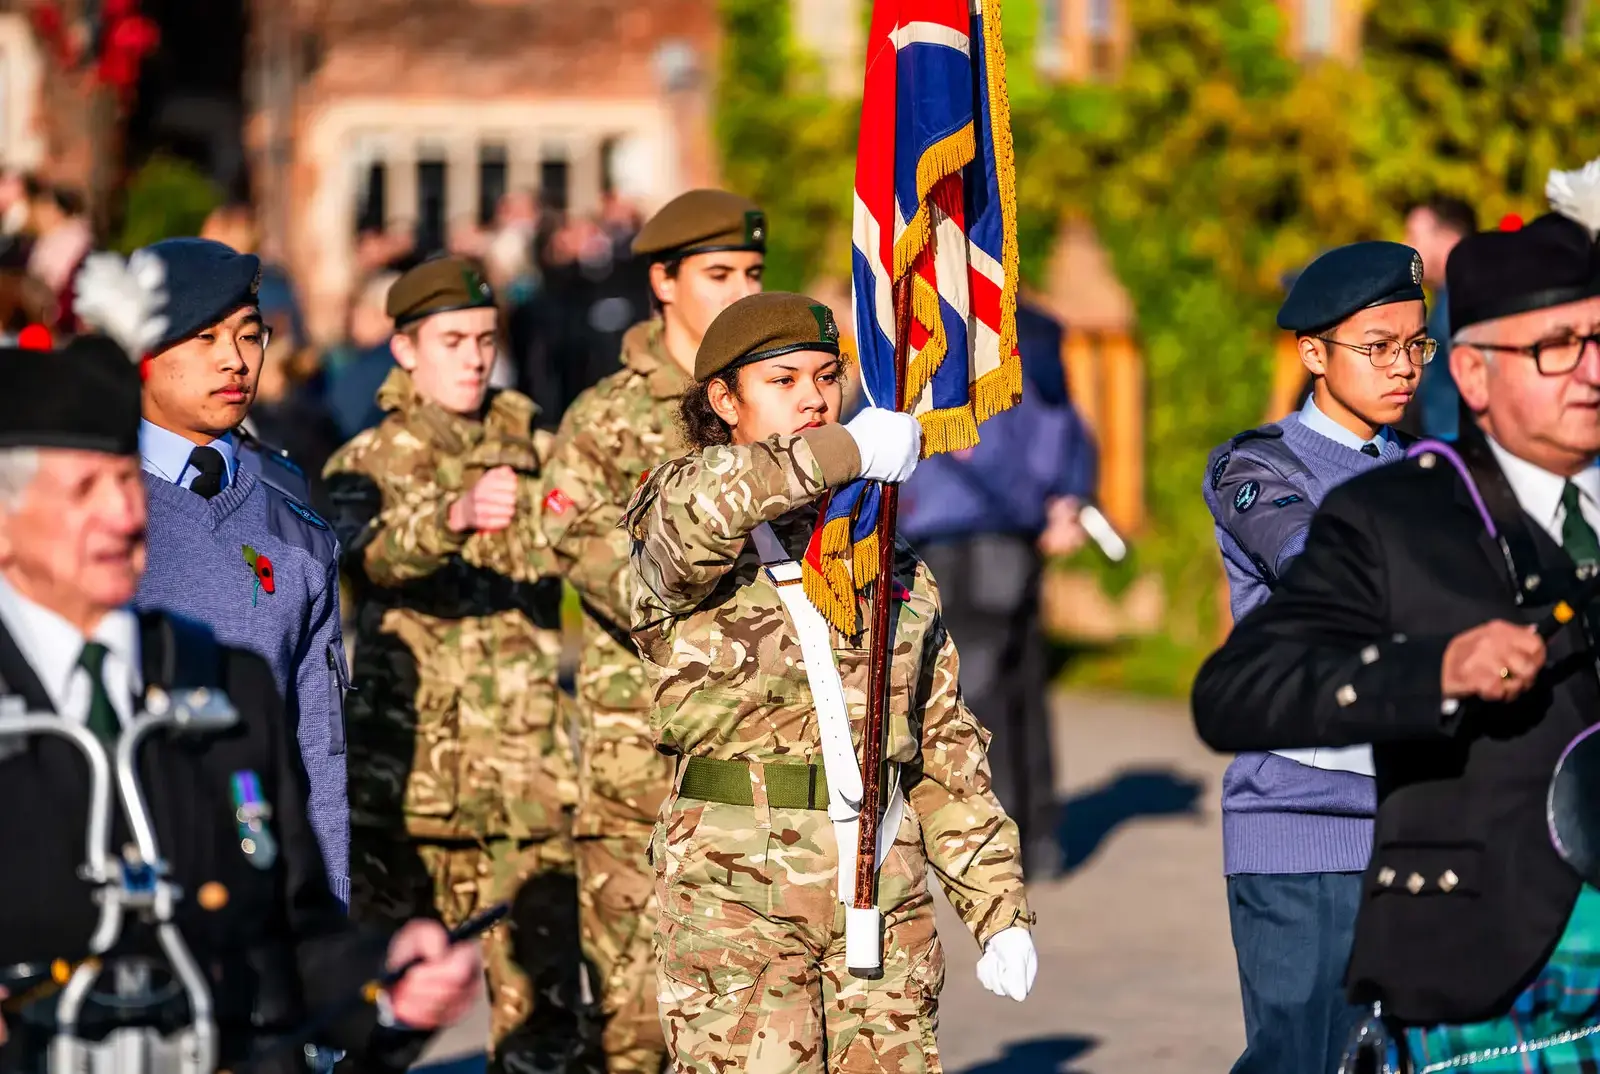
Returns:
point(881, 652)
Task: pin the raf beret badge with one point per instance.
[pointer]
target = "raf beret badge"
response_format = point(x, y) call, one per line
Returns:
point(1416, 267)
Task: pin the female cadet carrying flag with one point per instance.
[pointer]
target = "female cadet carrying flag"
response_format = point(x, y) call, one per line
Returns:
point(758, 697)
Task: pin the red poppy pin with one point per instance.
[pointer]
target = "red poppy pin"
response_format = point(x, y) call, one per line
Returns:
point(261, 567)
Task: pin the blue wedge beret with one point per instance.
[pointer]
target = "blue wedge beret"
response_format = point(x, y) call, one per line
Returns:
point(206, 281)
point(1348, 279)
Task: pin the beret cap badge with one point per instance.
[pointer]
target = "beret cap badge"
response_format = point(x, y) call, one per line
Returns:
point(1416, 268)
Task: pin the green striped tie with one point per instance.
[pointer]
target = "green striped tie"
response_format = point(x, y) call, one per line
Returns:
point(103, 719)
point(1577, 537)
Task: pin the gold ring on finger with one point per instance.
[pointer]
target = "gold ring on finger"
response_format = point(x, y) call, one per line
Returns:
point(1505, 673)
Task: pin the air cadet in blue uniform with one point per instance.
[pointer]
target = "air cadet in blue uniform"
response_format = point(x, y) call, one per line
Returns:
point(231, 550)
point(1297, 824)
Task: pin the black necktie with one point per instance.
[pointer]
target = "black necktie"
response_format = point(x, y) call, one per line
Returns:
point(1370, 449)
point(102, 718)
point(208, 461)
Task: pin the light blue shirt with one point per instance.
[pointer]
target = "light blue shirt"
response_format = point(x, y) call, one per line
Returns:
point(166, 454)
point(1318, 422)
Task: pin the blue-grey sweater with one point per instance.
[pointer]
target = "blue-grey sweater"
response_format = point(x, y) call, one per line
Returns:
point(284, 607)
point(1278, 815)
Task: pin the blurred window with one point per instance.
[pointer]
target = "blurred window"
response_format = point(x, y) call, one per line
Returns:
point(370, 209)
point(492, 180)
point(431, 176)
point(553, 179)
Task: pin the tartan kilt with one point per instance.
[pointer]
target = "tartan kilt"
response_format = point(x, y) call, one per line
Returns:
point(1553, 1027)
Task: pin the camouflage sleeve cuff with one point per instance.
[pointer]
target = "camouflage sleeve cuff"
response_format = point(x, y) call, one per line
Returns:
point(437, 532)
point(989, 919)
point(836, 454)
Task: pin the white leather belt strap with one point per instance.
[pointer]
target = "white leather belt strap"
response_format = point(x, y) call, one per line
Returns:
point(833, 718)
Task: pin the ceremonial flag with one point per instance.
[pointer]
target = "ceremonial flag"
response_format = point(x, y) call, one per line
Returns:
point(935, 199)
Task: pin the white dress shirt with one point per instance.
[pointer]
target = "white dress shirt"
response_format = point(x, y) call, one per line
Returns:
point(52, 646)
point(1539, 491)
point(166, 454)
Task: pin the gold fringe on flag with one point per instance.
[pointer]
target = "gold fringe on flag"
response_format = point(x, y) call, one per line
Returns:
point(945, 157)
point(1001, 389)
point(864, 565)
point(832, 589)
point(922, 367)
point(951, 429)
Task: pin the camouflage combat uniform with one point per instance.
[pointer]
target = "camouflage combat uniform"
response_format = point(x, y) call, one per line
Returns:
point(611, 435)
point(751, 940)
point(461, 770)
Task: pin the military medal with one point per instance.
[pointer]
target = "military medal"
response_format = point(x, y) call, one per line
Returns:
point(251, 812)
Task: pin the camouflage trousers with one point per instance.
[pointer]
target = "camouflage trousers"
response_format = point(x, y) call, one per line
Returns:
point(533, 963)
point(750, 948)
point(617, 910)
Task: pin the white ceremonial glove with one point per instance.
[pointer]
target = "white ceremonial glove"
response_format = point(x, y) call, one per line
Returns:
point(1009, 964)
point(890, 443)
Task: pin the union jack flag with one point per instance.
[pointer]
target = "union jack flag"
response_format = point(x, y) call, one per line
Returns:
point(935, 198)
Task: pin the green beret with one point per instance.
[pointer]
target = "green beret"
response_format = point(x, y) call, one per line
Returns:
point(700, 222)
point(764, 326)
point(438, 286)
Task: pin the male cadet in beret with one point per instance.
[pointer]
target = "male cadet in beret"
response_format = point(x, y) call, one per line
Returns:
point(462, 774)
point(1297, 824)
point(227, 549)
point(706, 250)
point(1403, 624)
point(256, 913)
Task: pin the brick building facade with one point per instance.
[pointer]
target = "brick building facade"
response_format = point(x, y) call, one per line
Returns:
point(416, 114)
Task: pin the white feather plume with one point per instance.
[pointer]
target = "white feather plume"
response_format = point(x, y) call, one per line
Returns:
point(124, 299)
point(1576, 195)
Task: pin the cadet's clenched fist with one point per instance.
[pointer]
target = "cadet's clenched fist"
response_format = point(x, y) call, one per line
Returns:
point(489, 504)
point(1496, 661)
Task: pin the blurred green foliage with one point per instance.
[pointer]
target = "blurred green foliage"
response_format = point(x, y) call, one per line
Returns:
point(165, 198)
point(1214, 164)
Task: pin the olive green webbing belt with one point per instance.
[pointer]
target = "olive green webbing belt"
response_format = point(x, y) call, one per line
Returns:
point(789, 786)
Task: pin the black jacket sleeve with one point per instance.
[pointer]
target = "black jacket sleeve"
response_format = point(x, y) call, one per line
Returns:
point(1319, 664)
point(332, 957)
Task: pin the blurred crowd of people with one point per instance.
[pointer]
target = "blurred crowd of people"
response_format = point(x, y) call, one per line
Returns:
point(568, 284)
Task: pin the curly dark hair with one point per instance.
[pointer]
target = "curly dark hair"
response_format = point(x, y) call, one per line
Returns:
point(701, 426)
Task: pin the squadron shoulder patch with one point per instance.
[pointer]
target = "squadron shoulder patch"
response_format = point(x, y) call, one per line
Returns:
point(1245, 498)
point(307, 515)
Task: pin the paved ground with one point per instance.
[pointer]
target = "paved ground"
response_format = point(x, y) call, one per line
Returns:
point(1135, 966)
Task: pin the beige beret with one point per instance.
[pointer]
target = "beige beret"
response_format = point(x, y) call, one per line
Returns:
point(764, 326)
point(700, 222)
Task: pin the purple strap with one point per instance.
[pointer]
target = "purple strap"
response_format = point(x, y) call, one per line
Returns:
point(1439, 447)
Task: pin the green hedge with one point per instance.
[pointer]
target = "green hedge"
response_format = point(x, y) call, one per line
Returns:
point(1211, 167)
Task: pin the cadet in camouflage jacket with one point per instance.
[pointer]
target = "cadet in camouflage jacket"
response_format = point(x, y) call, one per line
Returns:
point(609, 438)
point(748, 892)
point(461, 771)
